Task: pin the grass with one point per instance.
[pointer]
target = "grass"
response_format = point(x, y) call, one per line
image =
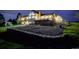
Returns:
point(3, 29)
point(73, 29)
point(10, 45)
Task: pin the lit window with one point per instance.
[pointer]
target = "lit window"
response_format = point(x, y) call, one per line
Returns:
point(46, 16)
point(22, 19)
point(36, 17)
point(42, 17)
point(27, 17)
point(50, 16)
point(33, 16)
point(23, 23)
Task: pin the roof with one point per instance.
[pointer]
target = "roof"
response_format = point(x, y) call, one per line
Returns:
point(47, 14)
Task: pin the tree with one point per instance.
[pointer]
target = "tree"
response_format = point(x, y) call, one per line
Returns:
point(13, 21)
point(17, 18)
point(10, 20)
point(1, 16)
point(19, 14)
point(2, 20)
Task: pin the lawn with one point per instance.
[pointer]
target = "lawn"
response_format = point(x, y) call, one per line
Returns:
point(5, 44)
point(10, 45)
point(3, 29)
point(72, 29)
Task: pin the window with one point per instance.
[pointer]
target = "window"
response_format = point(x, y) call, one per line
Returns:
point(22, 19)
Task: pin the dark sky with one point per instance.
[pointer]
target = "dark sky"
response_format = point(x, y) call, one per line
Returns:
point(68, 15)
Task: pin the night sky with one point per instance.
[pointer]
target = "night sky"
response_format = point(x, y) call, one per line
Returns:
point(67, 15)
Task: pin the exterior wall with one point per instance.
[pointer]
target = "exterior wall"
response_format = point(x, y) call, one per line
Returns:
point(58, 19)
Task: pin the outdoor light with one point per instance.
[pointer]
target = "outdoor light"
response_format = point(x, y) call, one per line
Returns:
point(29, 17)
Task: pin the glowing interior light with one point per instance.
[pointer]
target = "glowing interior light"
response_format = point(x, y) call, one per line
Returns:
point(33, 17)
point(42, 17)
point(50, 16)
point(46, 17)
point(23, 23)
point(36, 18)
point(27, 22)
point(22, 19)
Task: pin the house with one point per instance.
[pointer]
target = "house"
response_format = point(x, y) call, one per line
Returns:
point(36, 17)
